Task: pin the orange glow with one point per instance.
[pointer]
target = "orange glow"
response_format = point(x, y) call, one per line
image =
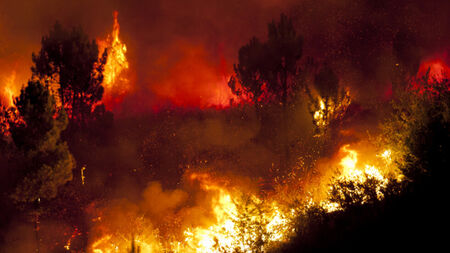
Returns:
point(183, 76)
point(236, 221)
point(231, 218)
point(69, 241)
point(437, 70)
point(10, 89)
point(115, 82)
point(327, 110)
point(437, 67)
point(379, 169)
point(192, 79)
point(351, 172)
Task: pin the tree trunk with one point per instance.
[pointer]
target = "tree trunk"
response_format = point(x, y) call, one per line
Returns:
point(36, 226)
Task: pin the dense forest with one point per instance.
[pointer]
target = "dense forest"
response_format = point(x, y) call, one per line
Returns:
point(326, 129)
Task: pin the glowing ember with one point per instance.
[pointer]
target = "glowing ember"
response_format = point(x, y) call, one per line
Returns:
point(82, 174)
point(75, 233)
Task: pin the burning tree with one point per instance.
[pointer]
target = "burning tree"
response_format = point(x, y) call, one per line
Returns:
point(330, 102)
point(268, 72)
point(5, 117)
point(69, 62)
point(373, 209)
point(116, 62)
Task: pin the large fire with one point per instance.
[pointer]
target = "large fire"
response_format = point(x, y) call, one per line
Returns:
point(209, 213)
point(115, 81)
point(378, 170)
point(190, 78)
point(241, 221)
point(10, 89)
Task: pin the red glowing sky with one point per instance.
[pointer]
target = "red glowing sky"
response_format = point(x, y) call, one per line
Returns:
point(181, 52)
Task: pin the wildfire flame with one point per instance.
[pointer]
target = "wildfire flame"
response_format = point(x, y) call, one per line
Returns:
point(10, 89)
point(242, 221)
point(319, 115)
point(114, 81)
point(350, 172)
point(326, 110)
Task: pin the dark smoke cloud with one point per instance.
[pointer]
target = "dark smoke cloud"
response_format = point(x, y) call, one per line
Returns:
point(363, 40)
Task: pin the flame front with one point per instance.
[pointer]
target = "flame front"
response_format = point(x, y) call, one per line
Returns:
point(114, 80)
point(243, 221)
point(243, 224)
point(240, 222)
point(350, 173)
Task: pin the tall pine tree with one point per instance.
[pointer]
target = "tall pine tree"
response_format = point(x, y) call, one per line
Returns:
point(46, 162)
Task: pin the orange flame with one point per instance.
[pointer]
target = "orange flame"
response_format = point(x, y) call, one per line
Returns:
point(240, 220)
point(379, 168)
point(10, 90)
point(114, 82)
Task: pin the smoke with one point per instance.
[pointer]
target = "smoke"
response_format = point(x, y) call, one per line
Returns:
point(367, 41)
point(189, 47)
point(181, 55)
point(190, 40)
point(163, 213)
point(19, 238)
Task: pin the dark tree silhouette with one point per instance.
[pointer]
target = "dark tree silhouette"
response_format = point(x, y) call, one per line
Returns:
point(46, 162)
point(268, 70)
point(284, 50)
point(248, 72)
point(327, 83)
point(411, 215)
point(134, 248)
point(69, 60)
